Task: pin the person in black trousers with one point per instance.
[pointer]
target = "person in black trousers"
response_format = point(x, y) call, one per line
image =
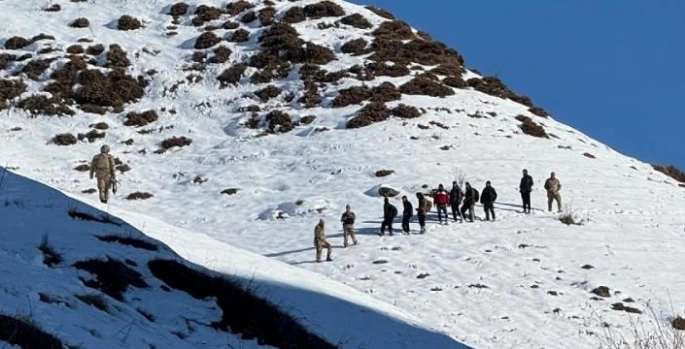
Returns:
point(470, 200)
point(525, 188)
point(455, 200)
point(487, 198)
point(389, 214)
point(407, 213)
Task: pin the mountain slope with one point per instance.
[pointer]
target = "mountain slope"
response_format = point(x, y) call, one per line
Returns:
point(303, 168)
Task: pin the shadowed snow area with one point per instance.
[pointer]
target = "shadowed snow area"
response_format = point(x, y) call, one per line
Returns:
point(238, 125)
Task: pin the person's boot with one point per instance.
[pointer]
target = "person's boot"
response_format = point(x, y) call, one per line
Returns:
point(329, 259)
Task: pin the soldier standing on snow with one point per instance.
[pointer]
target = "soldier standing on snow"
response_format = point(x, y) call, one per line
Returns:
point(103, 168)
point(525, 188)
point(442, 198)
point(470, 199)
point(347, 220)
point(422, 209)
point(553, 186)
point(320, 241)
point(389, 214)
point(455, 200)
point(487, 198)
point(407, 213)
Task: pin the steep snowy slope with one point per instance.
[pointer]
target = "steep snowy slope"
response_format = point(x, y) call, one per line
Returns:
point(293, 120)
point(92, 280)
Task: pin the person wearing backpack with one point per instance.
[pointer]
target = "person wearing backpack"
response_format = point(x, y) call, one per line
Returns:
point(456, 196)
point(442, 198)
point(347, 219)
point(389, 214)
point(470, 199)
point(487, 198)
point(408, 212)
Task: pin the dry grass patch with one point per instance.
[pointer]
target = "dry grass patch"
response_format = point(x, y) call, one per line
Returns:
point(294, 14)
point(323, 9)
point(178, 9)
point(385, 92)
point(64, 139)
point(42, 105)
point(405, 111)
point(671, 171)
point(206, 40)
point(240, 35)
point(127, 22)
point(116, 57)
point(268, 93)
point(232, 75)
point(16, 43)
point(80, 23)
point(279, 122)
point(35, 68)
point(266, 15)
point(140, 119)
point(369, 114)
point(426, 87)
point(204, 13)
point(529, 127)
point(356, 20)
point(381, 12)
point(350, 96)
point(355, 46)
point(138, 196)
point(174, 142)
point(237, 7)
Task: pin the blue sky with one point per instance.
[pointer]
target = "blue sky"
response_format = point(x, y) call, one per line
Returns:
point(612, 68)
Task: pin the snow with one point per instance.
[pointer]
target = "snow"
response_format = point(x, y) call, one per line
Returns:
point(632, 232)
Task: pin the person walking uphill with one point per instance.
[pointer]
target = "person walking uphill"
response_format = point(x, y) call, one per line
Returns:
point(347, 220)
point(470, 199)
point(389, 214)
point(553, 186)
point(525, 187)
point(423, 207)
point(487, 198)
point(103, 168)
point(442, 198)
point(320, 241)
point(455, 200)
point(407, 213)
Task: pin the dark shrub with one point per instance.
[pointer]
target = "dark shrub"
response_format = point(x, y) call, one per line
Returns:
point(394, 30)
point(453, 81)
point(64, 139)
point(406, 111)
point(230, 25)
point(204, 13)
point(356, 46)
point(175, 142)
point(24, 333)
point(356, 20)
point(82, 168)
point(129, 241)
point(80, 23)
point(53, 8)
point(529, 127)
point(100, 126)
point(671, 171)
point(230, 191)
point(40, 104)
point(240, 35)
point(237, 7)
point(91, 136)
point(5, 59)
point(95, 50)
point(678, 323)
point(449, 69)
point(380, 12)
point(308, 119)
point(323, 9)
point(538, 111)
point(35, 68)
point(140, 119)
point(385, 92)
point(112, 277)
point(266, 16)
point(128, 23)
point(494, 87)
point(268, 92)
point(588, 155)
point(75, 49)
point(206, 40)
point(383, 69)
point(42, 36)
point(221, 55)
point(138, 196)
point(350, 96)
point(248, 17)
point(116, 57)
point(426, 87)
point(279, 122)
point(178, 9)
point(384, 173)
point(11, 88)
point(232, 75)
point(316, 54)
point(111, 90)
point(16, 43)
point(311, 98)
point(369, 114)
point(294, 14)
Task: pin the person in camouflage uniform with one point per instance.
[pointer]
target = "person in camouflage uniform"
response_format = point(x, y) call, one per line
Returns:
point(347, 220)
point(553, 186)
point(103, 168)
point(320, 241)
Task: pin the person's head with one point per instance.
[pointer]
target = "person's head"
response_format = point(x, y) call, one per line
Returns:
point(454, 184)
point(104, 149)
point(440, 187)
point(525, 172)
point(404, 198)
point(553, 175)
point(468, 185)
point(419, 195)
point(487, 184)
point(348, 207)
point(321, 222)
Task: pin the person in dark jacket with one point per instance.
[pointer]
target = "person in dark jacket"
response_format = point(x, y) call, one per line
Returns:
point(525, 188)
point(422, 208)
point(456, 196)
point(470, 199)
point(407, 213)
point(347, 219)
point(442, 198)
point(389, 214)
point(487, 198)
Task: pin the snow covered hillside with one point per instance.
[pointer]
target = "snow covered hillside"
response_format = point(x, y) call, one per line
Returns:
point(246, 122)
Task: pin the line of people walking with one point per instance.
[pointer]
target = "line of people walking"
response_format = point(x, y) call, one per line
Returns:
point(460, 203)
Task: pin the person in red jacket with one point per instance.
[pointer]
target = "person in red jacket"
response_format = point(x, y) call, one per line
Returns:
point(442, 198)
